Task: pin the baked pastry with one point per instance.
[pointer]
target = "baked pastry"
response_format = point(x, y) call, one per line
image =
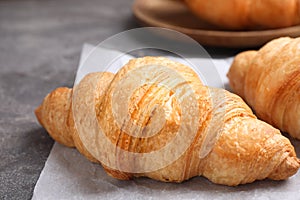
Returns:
point(247, 14)
point(269, 81)
point(175, 127)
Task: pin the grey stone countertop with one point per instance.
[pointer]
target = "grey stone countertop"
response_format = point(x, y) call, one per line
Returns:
point(40, 44)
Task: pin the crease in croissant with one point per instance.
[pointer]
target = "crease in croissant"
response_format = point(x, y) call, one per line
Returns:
point(226, 143)
point(269, 81)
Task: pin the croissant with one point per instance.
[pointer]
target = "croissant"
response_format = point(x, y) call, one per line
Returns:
point(247, 14)
point(269, 81)
point(154, 118)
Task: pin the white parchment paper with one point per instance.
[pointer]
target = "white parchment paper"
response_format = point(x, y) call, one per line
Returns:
point(69, 175)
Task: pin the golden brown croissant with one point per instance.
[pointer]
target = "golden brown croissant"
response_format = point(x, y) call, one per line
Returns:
point(269, 81)
point(247, 14)
point(162, 123)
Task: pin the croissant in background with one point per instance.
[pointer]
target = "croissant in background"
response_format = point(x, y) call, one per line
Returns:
point(247, 14)
point(145, 107)
point(269, 81)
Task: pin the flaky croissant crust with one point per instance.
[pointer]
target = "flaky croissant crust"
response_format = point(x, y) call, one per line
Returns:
point(230, 145)
point(269, 81)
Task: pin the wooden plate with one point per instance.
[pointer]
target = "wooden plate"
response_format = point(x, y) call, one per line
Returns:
point(173, 14)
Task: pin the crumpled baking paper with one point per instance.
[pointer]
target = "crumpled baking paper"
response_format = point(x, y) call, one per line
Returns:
point(69, 175)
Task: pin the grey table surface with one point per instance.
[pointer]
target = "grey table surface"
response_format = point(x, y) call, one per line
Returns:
point(40, 44)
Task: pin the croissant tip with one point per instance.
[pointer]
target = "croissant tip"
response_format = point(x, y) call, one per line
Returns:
point(298, 162)
point(38, 114)
point(286, 169)
point(293, 165)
